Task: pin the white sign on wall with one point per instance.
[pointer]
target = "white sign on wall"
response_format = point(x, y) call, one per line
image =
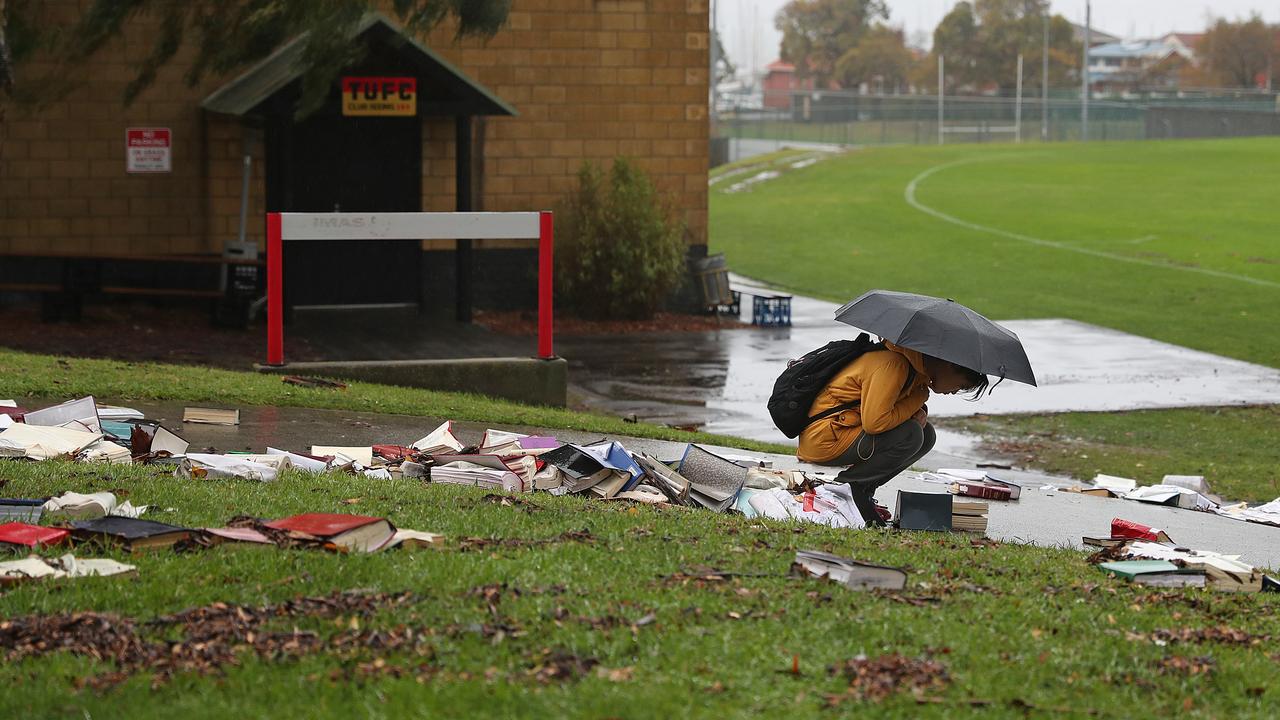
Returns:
point(148, 150)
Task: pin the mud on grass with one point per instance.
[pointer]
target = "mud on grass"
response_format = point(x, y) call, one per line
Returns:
point(579, 610)
point(1233, 448)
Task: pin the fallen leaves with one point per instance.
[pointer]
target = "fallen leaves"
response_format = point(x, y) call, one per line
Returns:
point(1182, 665)
point(877, 678)
point(468, 544)
point(511, 501)
point(558, 666)
point(213, 636)
point(1221, 634)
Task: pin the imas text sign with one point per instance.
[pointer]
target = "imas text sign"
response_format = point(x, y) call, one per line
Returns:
point(379, 96)
point(409, 226)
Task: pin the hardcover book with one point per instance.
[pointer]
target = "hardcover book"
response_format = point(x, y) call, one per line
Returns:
point(353, 532)
point(17, 534)
point(130, 533)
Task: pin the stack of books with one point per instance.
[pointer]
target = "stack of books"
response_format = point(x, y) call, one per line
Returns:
point(969, 516)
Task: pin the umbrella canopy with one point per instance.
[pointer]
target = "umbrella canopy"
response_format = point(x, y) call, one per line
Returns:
point(942, 328)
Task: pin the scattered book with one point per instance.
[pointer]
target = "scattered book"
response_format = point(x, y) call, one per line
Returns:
point(440, 440)
point(969, 515)
point(672, 484)
point(79, 414)
point(1104, 542)
point(1118, 486)
point(923, 510)
point(77, 506)
point(848, 572)
point(211, 416)
point(35, 442)
point(513, 474)
point(414, 539)
point(351, 532)
point(129, 533)
point(38, 568)
point(21, 509)
point(586, 467)
point(1222, 572)
point(1155, 573)
point(19, 534)
point(222, 535)
point(1137, 531)
point(714, 481)
point(344, 455)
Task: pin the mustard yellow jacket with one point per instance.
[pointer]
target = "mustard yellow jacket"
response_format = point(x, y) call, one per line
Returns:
point(877, 380)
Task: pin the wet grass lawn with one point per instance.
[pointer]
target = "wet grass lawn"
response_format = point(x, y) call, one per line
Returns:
point(1235, 449)
point(562, 607)
point(1168, 240)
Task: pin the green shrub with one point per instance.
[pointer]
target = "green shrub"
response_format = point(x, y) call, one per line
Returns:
point(619, 251)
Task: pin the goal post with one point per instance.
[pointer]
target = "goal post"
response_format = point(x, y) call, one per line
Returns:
point(284, 227)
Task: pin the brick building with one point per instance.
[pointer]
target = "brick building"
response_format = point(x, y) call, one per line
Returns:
point(507, 122)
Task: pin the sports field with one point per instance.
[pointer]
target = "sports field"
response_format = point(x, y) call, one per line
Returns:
point(1171, 240)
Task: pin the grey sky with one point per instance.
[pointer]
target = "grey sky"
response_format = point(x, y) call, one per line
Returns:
point(750, 38)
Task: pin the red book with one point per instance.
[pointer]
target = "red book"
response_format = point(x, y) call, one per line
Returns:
point(354, 532)
point(393, 452)
point(986, 492)
point(1136, 531)
point(16, 533)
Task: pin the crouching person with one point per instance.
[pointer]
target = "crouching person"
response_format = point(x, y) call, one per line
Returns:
point(889, 429)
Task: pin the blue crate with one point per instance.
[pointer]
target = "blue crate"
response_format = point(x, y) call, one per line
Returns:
point(772, 311)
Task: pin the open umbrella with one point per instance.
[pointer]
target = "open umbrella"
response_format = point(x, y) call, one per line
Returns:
point(942, 328)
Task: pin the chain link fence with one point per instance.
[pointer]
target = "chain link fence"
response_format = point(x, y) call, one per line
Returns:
point(839, 118)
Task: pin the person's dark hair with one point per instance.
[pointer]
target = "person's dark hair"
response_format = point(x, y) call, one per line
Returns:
point(976, 383)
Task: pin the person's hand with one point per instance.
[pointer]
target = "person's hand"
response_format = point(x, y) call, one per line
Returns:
point(921, 416)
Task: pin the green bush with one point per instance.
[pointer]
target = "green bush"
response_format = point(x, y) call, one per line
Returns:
point(619, 252)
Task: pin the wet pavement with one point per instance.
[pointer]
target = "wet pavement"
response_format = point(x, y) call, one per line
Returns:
point(720, 380)
point(1041, 517)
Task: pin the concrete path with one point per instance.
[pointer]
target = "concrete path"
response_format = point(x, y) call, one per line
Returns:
point(721, 380)
point(1040, 517)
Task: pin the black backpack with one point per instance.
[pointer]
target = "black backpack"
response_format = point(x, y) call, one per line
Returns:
point(798, 385)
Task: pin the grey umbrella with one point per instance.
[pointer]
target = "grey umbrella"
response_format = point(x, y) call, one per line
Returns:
point(942, 328)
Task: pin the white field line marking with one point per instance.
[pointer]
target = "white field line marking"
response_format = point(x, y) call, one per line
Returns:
point(910, 196)
point(1139, 241)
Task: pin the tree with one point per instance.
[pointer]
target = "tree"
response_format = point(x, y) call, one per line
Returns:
point(228, 34)
point(1237, 54)
point(620, 250)
point(881, 57)
point(722, 68)
point(816, 33)
point(981, 42)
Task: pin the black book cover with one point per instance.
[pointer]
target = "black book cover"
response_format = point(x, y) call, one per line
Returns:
point(123, 528)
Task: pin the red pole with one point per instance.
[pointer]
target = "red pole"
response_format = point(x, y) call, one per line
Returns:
point(546, 242)
point(275, 291)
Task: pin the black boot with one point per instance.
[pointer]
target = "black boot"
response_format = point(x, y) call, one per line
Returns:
point(863, 494)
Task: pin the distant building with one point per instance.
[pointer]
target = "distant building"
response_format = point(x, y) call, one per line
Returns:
point(1190, 42)
point(780, 81)
point(1121, 67)
point(1096, 36)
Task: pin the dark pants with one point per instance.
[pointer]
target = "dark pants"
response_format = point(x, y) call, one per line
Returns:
point(874, 460)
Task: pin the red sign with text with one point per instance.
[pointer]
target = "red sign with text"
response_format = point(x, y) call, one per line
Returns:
point(148, 150)
point(374, 96)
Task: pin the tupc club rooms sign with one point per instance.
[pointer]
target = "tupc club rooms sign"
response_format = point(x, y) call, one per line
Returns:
point(379, 96)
